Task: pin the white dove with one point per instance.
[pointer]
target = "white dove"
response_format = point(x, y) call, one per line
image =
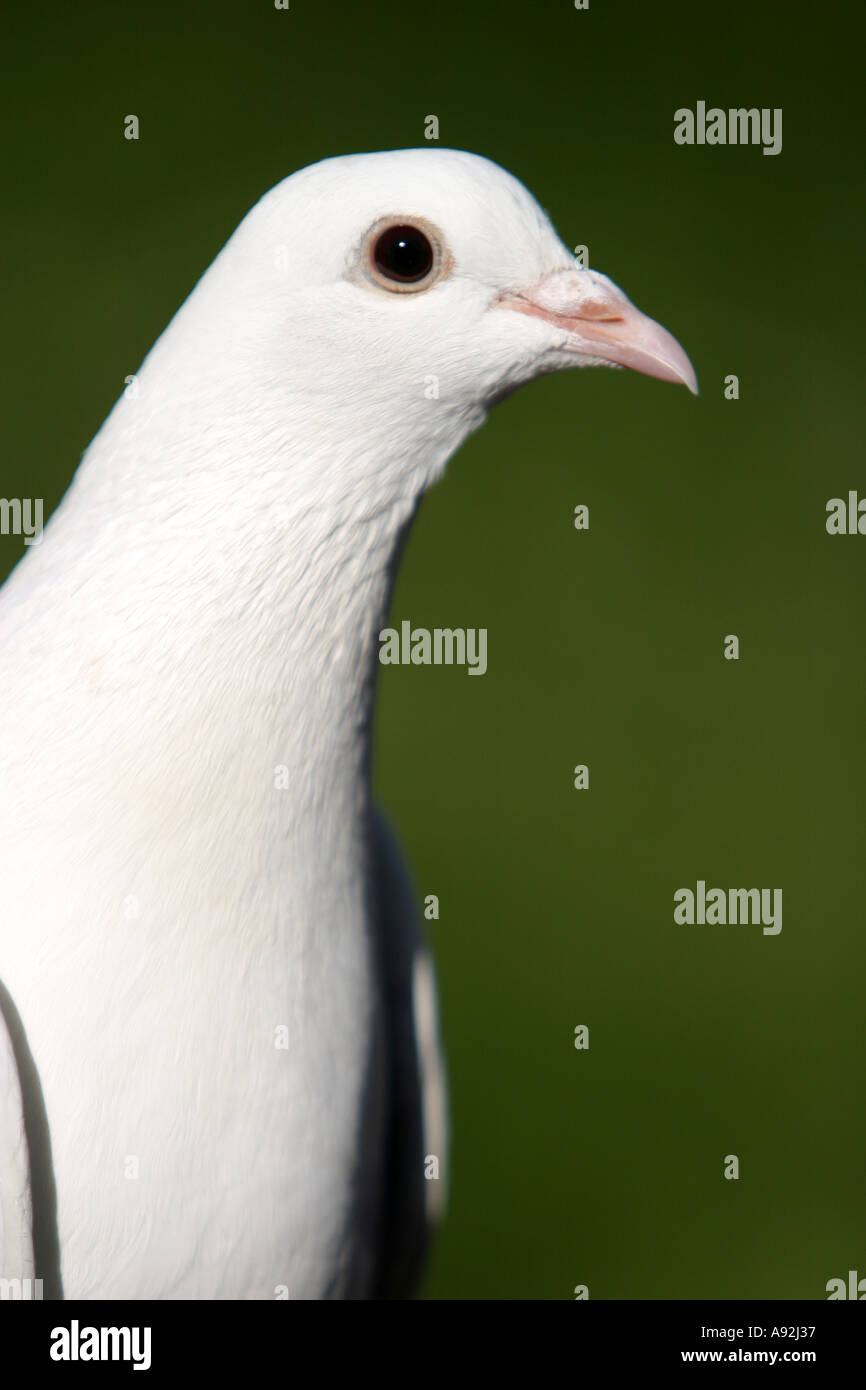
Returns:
point(219, 1064)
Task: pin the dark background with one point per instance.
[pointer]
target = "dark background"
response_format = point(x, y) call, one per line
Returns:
point(605, 647)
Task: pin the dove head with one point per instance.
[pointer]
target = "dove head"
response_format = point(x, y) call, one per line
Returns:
point(417, 287)
point(359, 324)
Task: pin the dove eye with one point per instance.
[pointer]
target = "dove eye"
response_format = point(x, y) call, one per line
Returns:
point(403, 253)
point(403, 256)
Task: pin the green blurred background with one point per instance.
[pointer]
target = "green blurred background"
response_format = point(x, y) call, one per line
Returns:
point(602, 1167)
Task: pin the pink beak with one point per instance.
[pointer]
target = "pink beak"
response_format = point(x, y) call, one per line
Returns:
point(601, 322)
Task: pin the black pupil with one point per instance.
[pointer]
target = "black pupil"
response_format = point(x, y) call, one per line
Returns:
point(404, 253)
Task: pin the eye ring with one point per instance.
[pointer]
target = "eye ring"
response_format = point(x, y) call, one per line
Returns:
point(404, 255)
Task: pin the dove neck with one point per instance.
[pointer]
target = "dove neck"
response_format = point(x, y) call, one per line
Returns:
point(217, 638)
